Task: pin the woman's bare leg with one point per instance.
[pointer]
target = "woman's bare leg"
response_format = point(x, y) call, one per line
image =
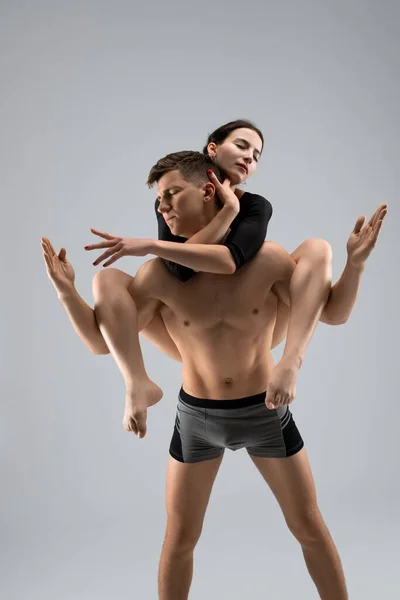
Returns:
point(311, 277)
point(117, 318)
point(309, 290)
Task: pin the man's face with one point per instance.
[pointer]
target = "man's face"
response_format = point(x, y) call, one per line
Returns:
point(182, 203)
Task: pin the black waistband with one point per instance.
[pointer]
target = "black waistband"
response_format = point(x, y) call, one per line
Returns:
point(212, 403)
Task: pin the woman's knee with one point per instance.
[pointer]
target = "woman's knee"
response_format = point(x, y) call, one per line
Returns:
point(317, 249)
point(110, 280)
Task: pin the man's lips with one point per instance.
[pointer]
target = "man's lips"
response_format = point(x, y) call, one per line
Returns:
point(167, 220)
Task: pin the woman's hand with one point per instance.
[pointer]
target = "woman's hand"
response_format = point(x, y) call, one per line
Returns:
point(224, 192)
point(118, 247)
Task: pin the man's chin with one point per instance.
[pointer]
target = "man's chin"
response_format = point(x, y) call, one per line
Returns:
point(173, 228)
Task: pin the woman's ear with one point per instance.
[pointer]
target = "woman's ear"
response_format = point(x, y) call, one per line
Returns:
point(212, 149)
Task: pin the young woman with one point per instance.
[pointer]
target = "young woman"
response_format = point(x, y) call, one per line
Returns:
point(235, 148)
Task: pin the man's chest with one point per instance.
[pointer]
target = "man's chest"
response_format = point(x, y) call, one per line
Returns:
point(209, 300)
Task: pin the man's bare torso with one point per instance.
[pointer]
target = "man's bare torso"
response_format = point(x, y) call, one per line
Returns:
point(221, 324)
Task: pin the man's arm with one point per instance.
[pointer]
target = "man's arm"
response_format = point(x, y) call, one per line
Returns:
point(82, 317)
point(343, 296)
point(83, 320)
point(360, 244)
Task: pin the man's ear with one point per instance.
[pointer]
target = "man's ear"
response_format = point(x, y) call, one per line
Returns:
point(209, 192)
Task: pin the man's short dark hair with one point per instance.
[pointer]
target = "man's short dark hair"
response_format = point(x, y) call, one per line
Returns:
point(192, 166)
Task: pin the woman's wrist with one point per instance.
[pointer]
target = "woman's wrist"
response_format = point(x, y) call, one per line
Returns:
point(217, 229)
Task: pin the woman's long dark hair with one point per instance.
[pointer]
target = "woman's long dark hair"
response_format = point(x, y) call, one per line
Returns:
point(219, 135)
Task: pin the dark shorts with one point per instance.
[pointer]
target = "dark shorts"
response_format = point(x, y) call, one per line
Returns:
point(204, 428)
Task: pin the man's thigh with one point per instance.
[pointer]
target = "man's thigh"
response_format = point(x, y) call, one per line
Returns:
point(292, 483)
point(188, 489)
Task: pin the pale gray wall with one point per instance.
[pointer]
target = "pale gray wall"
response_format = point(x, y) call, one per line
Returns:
point(92, 94)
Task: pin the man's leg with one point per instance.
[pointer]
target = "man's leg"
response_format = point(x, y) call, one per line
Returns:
point(188, 490)
point(291, 481)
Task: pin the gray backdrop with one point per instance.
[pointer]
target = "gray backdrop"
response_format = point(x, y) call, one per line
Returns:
point(92, 94)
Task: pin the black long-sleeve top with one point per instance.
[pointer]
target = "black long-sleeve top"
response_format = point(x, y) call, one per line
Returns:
point(248, 231)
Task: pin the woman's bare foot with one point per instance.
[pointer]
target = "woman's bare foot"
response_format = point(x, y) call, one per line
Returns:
point(140, 394)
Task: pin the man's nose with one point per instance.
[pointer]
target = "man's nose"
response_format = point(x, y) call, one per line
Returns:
point(163, 207)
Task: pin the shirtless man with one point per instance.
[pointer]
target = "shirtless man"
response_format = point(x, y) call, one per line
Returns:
point(223, 328)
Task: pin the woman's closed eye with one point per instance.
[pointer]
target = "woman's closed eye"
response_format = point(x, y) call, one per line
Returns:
point(242, 147)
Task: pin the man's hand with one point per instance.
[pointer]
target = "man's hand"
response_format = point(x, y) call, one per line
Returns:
point(224, 192)
point(363, 238)
point(118, 247)
point(59, 269)
point(281, 388)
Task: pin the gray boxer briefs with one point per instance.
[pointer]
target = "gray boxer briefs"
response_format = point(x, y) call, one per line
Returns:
point(204, 428)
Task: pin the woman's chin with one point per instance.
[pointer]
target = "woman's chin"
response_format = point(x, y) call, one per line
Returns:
point(235, 178)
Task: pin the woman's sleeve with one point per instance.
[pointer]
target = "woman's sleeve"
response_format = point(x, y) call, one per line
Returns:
point(246, 239)
point(164, 233)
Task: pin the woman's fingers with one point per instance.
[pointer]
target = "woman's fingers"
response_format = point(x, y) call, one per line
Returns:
point(103, 234)
point(101, 245)
point(105, 255)
point(214, 178)
point(225, 184)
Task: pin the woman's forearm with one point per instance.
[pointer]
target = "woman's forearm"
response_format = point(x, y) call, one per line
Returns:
point(84, 321)
point(202, 251)
point(215, 230)
point(208, 258)
point(343, 296)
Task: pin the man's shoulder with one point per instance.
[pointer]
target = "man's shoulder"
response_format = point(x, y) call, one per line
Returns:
point(150, 267)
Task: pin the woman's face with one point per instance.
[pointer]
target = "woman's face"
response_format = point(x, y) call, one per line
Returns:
point(238, 155)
